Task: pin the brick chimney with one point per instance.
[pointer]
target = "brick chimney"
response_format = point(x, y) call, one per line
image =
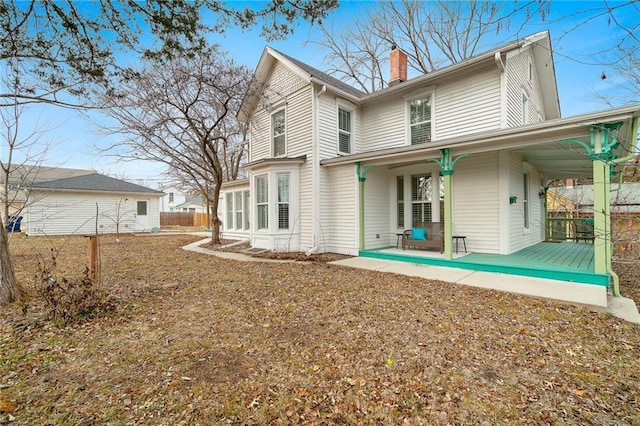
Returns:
point(398, 61)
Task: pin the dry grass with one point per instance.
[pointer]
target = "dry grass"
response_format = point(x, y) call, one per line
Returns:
point(198, 340)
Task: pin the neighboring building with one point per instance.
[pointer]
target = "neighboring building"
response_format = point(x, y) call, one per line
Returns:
point(172, 198)
point(192, 205)
point(472, 146)
point(69, 205)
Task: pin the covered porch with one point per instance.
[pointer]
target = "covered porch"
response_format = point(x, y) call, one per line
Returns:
point(563, 261)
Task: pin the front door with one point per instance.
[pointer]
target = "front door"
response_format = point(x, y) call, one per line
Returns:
point(142, 215)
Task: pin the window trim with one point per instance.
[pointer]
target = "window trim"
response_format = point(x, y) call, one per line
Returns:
point(272, 135)
point(427, 92)
point(352, 113)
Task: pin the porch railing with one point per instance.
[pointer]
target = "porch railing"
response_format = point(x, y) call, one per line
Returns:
point(569, 229)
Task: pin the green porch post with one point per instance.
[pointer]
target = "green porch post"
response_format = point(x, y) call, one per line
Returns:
point(362, 177)
point(446, 168)
point(600, 207)
point(448, 214)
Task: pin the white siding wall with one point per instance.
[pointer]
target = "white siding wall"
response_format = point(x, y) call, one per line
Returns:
point(282, 84)
point(66, 213)
point(475, 202)
point(519, 237)
point(377, 208)
point(384, 124)
point(338, 230)
point(328, 125)
point(517, 70)
point(469, 106)
point(461, 107)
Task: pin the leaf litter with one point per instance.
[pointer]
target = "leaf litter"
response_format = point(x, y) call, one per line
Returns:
point(194, 339)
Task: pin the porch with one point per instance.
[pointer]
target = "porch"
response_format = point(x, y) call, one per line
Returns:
point(562, 261)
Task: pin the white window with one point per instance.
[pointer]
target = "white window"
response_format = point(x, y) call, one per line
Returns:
point(420, 198)
point(229, 202)
point(171, 197)
point(525, 199)
point(238, 209)
point(262, 202)
point(530, 72)
point(344, 131)
point(279, 134)
point(420, 120)
point(246, 210)
point(400, 201)
point(525, 108)
point(283, 201)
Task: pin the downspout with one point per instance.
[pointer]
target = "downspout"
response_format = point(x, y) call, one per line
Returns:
point(315, 172)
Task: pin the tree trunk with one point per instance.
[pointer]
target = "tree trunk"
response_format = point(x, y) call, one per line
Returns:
point(216, 222)
point(10, 290)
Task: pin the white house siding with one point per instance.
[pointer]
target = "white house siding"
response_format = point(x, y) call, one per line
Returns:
point(476, 208)
point(519, 237)
point(328, 125)
point(470, 105)
point(339, 211)
point(384, 124)
point(377, 208)
point(282, 84)
point(517, 66)
point(67, 213)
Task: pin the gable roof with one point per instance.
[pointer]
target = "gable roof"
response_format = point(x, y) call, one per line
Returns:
point(94, 182)
point(540, 44)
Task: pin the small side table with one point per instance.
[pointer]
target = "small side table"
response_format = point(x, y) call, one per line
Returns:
point(398, 237)
point(456, 238)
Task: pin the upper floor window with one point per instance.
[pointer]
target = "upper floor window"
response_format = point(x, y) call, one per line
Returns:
point(278, 126)
point(171, 197)
point(344, 131)
point(420, 120)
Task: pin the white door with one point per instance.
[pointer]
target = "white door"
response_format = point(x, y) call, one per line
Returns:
point(142, 215)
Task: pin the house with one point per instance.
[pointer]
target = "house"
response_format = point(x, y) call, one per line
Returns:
point(470, 146)
point(75, 202)
point(178, 200)
point(173, 197)
point(193, 205)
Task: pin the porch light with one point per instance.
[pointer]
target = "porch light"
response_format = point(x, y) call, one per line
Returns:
point(513, 199)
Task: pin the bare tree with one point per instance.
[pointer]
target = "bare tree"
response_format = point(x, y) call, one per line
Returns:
point(182, 113)
point(432, 34)
point(62, 52)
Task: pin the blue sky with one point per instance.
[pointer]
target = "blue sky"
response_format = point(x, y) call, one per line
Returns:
point(73, 134)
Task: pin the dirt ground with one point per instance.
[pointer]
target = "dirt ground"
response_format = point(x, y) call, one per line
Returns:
point(196, 340)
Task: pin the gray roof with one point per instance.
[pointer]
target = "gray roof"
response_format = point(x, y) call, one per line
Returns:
point(314, 72)
point(25, 175)
point(95, 182)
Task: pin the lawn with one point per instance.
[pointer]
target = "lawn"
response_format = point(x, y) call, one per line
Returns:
point(193, 339)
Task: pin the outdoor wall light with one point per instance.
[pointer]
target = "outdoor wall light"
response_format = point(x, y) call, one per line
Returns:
point(513, 199)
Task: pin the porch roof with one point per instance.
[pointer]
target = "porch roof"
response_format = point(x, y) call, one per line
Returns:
point(544, 145)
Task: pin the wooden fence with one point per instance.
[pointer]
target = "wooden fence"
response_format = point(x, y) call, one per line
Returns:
point(183, 219)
